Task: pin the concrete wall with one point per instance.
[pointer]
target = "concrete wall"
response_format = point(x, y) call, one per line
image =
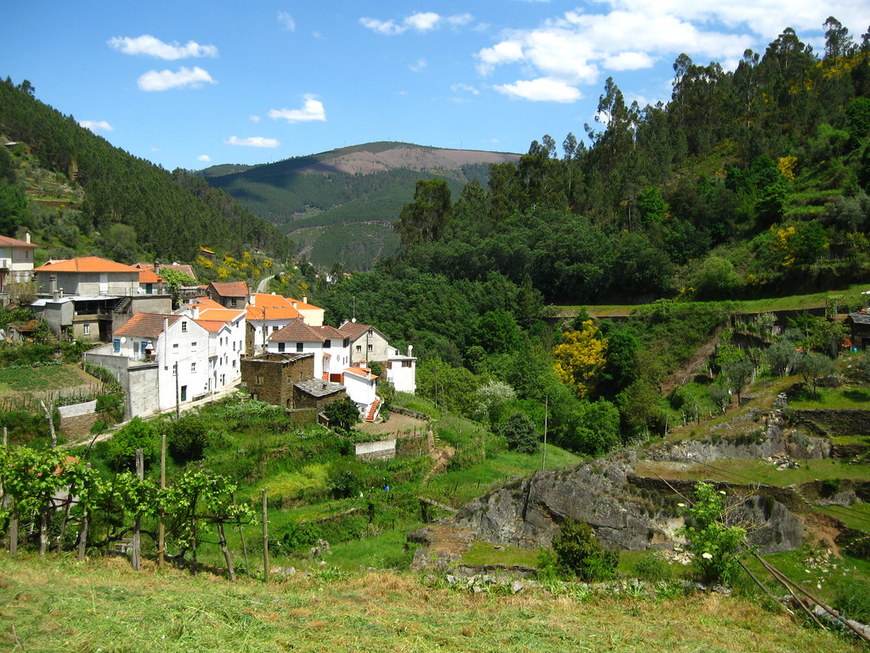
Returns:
point(378, 450)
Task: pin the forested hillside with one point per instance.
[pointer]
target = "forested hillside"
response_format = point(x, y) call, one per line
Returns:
point(339, 205)
point(746, 184)
point(163, 214)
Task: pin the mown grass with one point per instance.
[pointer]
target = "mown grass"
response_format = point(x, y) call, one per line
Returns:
point(756, 471)
point(834, 399)
point(105, 606)
point(42, 378)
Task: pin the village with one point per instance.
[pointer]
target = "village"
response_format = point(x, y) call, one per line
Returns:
point(218, 338)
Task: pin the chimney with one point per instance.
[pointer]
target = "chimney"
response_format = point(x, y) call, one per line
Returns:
point(304, 297)
point(27, 236)
point(294, 304)
point(252, 300)
point(52, 284)
point(410, 349)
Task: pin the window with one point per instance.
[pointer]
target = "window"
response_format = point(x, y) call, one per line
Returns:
point(192, 368)
point(184, 327)
point(193, 346)
point(184, 393)
point(371, 347)
point(116, 345)
point(175, 347)
point(389, 365)
point(327, 344)
point(406, 363)
point(359, 349)
point(345, 342)
point(86, 329)
point(281, 347)
point(274, 329)
point(298, 346)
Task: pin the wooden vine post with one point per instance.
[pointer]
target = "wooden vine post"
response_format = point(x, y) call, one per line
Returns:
point(265, 537)
point(137, 524)
point(161, 523)
point(83, 533)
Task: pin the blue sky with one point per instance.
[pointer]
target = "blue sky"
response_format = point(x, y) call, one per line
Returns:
point(191, 83)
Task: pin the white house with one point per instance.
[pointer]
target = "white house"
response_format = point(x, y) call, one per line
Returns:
point(328, 344)
point(265, 315)
point(16, 260)
point(361, 386)
point(402, 370)
point(226, 329)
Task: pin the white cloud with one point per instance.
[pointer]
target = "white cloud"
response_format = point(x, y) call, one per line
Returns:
point(387, 27)
point(167, 79)
point(544, 89)
point(500, 53)
point(254, 118)
point(312, 110)
point(287, 21)
point(205, 158)
point(628, 61)
point(253, 141)
point(467, 88)
point(154, 47)
point(96, 125)
point(422, 21)
point(419, 65)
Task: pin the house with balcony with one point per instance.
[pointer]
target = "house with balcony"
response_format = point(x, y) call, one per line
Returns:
point(91, 297)
point(16, 261)
point(164, 361)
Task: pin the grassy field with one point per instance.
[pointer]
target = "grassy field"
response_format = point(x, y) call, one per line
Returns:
point(102, 605)
point(43, 378)
point(756, 471)
point(788, 303)
point(834, 399)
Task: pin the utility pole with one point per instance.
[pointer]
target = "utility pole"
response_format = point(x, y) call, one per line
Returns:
point(544, 454)
point(177, 398)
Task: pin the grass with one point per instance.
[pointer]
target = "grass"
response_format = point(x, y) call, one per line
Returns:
point(834, 399)
point(102, 605)
point(44, 378)
point(485, 553)
point(756, 471)
point(856, 516)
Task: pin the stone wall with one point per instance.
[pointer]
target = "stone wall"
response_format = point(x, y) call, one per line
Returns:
point(837, 422)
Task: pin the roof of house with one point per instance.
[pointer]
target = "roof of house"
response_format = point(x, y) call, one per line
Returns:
point(85, 264)
point(230, 288)
point(318, 388)
point(330, 332)
point(297, 331)
point(303, 305)
point(271, 307)
point(219, 314)
point(363, 372)
point(146, 325)
point(860, 318)
point(355, 330)
point(181, 267)
point(6, 241)
point(148, 276)
point(212, 326)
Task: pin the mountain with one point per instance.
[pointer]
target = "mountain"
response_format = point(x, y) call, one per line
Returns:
point(339, 205)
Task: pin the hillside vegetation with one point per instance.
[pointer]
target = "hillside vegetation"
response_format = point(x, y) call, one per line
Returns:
point(340, 205)
point(124, 206)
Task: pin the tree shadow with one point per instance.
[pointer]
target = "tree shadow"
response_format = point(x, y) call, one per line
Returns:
point(857, 395)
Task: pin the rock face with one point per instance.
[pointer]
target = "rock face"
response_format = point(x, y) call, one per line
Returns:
point(636, 513)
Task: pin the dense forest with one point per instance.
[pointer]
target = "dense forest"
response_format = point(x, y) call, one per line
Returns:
point(748, 183)
point(156, 213)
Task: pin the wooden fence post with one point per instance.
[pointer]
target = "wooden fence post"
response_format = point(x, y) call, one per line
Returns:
point(83, 533)
point(137, 524)
point(161, 525)
point(265, 537)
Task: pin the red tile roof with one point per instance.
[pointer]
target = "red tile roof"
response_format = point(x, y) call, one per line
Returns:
point(230, 288)
point(213, 326)
point(146, 325)
point(354, 330)
point(148, 276)
point(271, 307)
point(85, 264)
point(359, 371)
point(296, 331)
point(6, 241)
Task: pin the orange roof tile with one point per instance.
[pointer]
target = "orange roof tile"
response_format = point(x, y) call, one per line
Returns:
point(230, 288)
point(271, 307)
point(212, 326)
point(359, 371)
point(303, 305)
point(85, 264)
point(14, 242)
point(219, 314)
point(148, 276)
point(146, 325)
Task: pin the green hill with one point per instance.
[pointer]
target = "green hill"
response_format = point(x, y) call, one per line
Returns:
point(93, 196)
point(322, 201)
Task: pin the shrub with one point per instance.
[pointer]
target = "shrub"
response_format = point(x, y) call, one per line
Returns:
point(187, 439)
point(520, 434)
point(346, 479)
point(342, 413)
point(112, 405)
point(714, 543)
point(121, 450)
point(579, 552)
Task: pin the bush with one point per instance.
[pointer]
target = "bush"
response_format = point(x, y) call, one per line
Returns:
point(346, 479)
point(187, 439)
point(121, 449)
point(520, 434)
point(342, 413)
point(579, 553)
point(112, 405)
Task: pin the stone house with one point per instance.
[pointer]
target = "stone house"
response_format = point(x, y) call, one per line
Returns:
point(231, 294)
point(288, 380)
